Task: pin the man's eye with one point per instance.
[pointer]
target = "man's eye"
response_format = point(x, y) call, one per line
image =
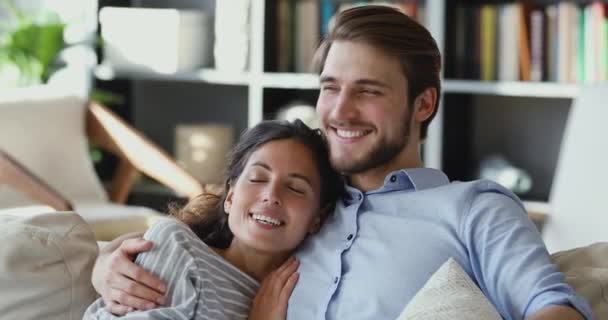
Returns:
point(329, 88)
point(256, 180)
point(370, 92)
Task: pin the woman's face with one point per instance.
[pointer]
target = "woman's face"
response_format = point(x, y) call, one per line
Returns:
point(276, 200)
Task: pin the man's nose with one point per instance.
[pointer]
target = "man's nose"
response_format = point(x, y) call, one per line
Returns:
point(345, 107)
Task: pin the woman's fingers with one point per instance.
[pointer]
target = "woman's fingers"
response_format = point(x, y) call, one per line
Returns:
point(288, 288)
point(283, 273)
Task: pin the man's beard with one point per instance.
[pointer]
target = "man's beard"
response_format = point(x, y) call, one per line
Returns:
point(382, 152)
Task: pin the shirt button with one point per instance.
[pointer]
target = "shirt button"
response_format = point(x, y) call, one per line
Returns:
point(336, 280)
point(350, 236)
point(393, 178)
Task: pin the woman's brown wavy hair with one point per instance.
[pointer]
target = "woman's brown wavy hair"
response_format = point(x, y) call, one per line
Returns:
point(205, 214)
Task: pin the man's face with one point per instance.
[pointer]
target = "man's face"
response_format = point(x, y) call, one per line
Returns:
point(363, 107)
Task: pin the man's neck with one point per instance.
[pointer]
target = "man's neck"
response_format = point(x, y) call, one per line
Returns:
point(373, 178)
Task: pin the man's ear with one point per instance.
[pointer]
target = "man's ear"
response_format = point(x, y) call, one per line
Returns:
point(228, 201)
point(424, 105)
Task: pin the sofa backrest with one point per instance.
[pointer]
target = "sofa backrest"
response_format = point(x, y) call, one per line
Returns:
point(43, 127)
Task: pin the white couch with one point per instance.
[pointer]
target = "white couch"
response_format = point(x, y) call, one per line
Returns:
point(46, 262)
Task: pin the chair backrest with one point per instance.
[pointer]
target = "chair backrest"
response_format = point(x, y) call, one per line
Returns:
point(43, 127)
point(579, 195)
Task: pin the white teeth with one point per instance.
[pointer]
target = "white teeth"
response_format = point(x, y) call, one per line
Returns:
point(349, 134)
point(267, 220)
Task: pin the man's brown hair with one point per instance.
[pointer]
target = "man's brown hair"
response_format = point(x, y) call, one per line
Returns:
point(397, 34)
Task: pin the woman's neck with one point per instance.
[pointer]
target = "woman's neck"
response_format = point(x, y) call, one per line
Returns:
point(253, 262)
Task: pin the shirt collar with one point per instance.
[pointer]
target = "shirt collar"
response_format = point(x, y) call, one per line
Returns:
point(414, 179)
point(424, 178)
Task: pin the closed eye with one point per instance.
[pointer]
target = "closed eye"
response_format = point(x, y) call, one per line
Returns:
point(370, 92)
point(296, 190)
point(329, 88)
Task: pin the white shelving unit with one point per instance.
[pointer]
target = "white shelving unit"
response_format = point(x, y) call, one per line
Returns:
point(515, 89)
point(252, 85)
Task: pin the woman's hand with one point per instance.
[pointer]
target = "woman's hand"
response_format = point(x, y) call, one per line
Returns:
point(123, 285)
point(270, 302)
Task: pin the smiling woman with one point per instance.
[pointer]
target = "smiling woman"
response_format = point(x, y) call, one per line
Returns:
point(279, 186)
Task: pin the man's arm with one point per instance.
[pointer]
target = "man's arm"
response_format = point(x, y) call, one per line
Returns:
point(509, 260)
point(182, 293)
point(556, 313)
point(122, 284)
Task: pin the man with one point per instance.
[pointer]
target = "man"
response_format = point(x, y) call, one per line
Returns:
point(400, 222)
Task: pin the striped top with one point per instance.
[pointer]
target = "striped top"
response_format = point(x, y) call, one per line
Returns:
point(201, 284)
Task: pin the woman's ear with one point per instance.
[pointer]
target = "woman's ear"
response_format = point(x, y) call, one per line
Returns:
point(315, 226)
point(228, 201)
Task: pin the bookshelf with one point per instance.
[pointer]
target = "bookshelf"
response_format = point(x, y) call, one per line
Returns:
point(531, 115)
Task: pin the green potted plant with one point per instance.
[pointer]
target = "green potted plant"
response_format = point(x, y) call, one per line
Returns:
point(28, 49)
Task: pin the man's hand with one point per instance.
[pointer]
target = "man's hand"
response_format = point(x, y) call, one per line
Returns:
point(270, 302)
point(123, 285)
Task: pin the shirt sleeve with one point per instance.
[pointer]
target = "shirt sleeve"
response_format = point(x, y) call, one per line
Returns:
point(508, 257)
point(171, 260)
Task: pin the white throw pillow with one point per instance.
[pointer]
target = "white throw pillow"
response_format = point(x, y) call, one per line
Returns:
point(43, 127)
point(449, 295)
point(46, 262)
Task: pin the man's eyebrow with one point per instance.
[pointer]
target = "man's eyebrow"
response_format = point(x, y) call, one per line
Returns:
point(368, 82)
point(292, 175)
point(323, 79)
point(372, 82)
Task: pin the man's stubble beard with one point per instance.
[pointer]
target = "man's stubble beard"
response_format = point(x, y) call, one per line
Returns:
point(381, 153)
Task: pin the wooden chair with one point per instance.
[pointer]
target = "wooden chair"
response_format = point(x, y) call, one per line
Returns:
point(44, 159)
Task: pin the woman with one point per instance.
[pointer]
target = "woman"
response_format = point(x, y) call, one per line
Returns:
point(278, 188)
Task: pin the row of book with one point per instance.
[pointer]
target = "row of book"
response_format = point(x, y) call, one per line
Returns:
point(300, 25)
point(561, 42)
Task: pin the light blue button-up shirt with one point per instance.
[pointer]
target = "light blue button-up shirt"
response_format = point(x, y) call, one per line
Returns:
point(380, 247)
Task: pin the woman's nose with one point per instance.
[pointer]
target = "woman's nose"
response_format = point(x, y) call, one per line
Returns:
point(272, 194)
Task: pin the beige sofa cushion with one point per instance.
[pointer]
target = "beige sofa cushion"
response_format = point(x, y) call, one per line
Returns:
point(586, 270)
point(43, 127)
point(449, 295)
point(45, 266)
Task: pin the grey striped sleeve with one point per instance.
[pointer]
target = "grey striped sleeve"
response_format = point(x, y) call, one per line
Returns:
point(172, 261)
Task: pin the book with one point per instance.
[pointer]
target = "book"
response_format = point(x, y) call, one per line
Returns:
point(508, 43)
point(487, 36)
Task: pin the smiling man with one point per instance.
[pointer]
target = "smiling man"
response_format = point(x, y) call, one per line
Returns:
point(380, 85)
